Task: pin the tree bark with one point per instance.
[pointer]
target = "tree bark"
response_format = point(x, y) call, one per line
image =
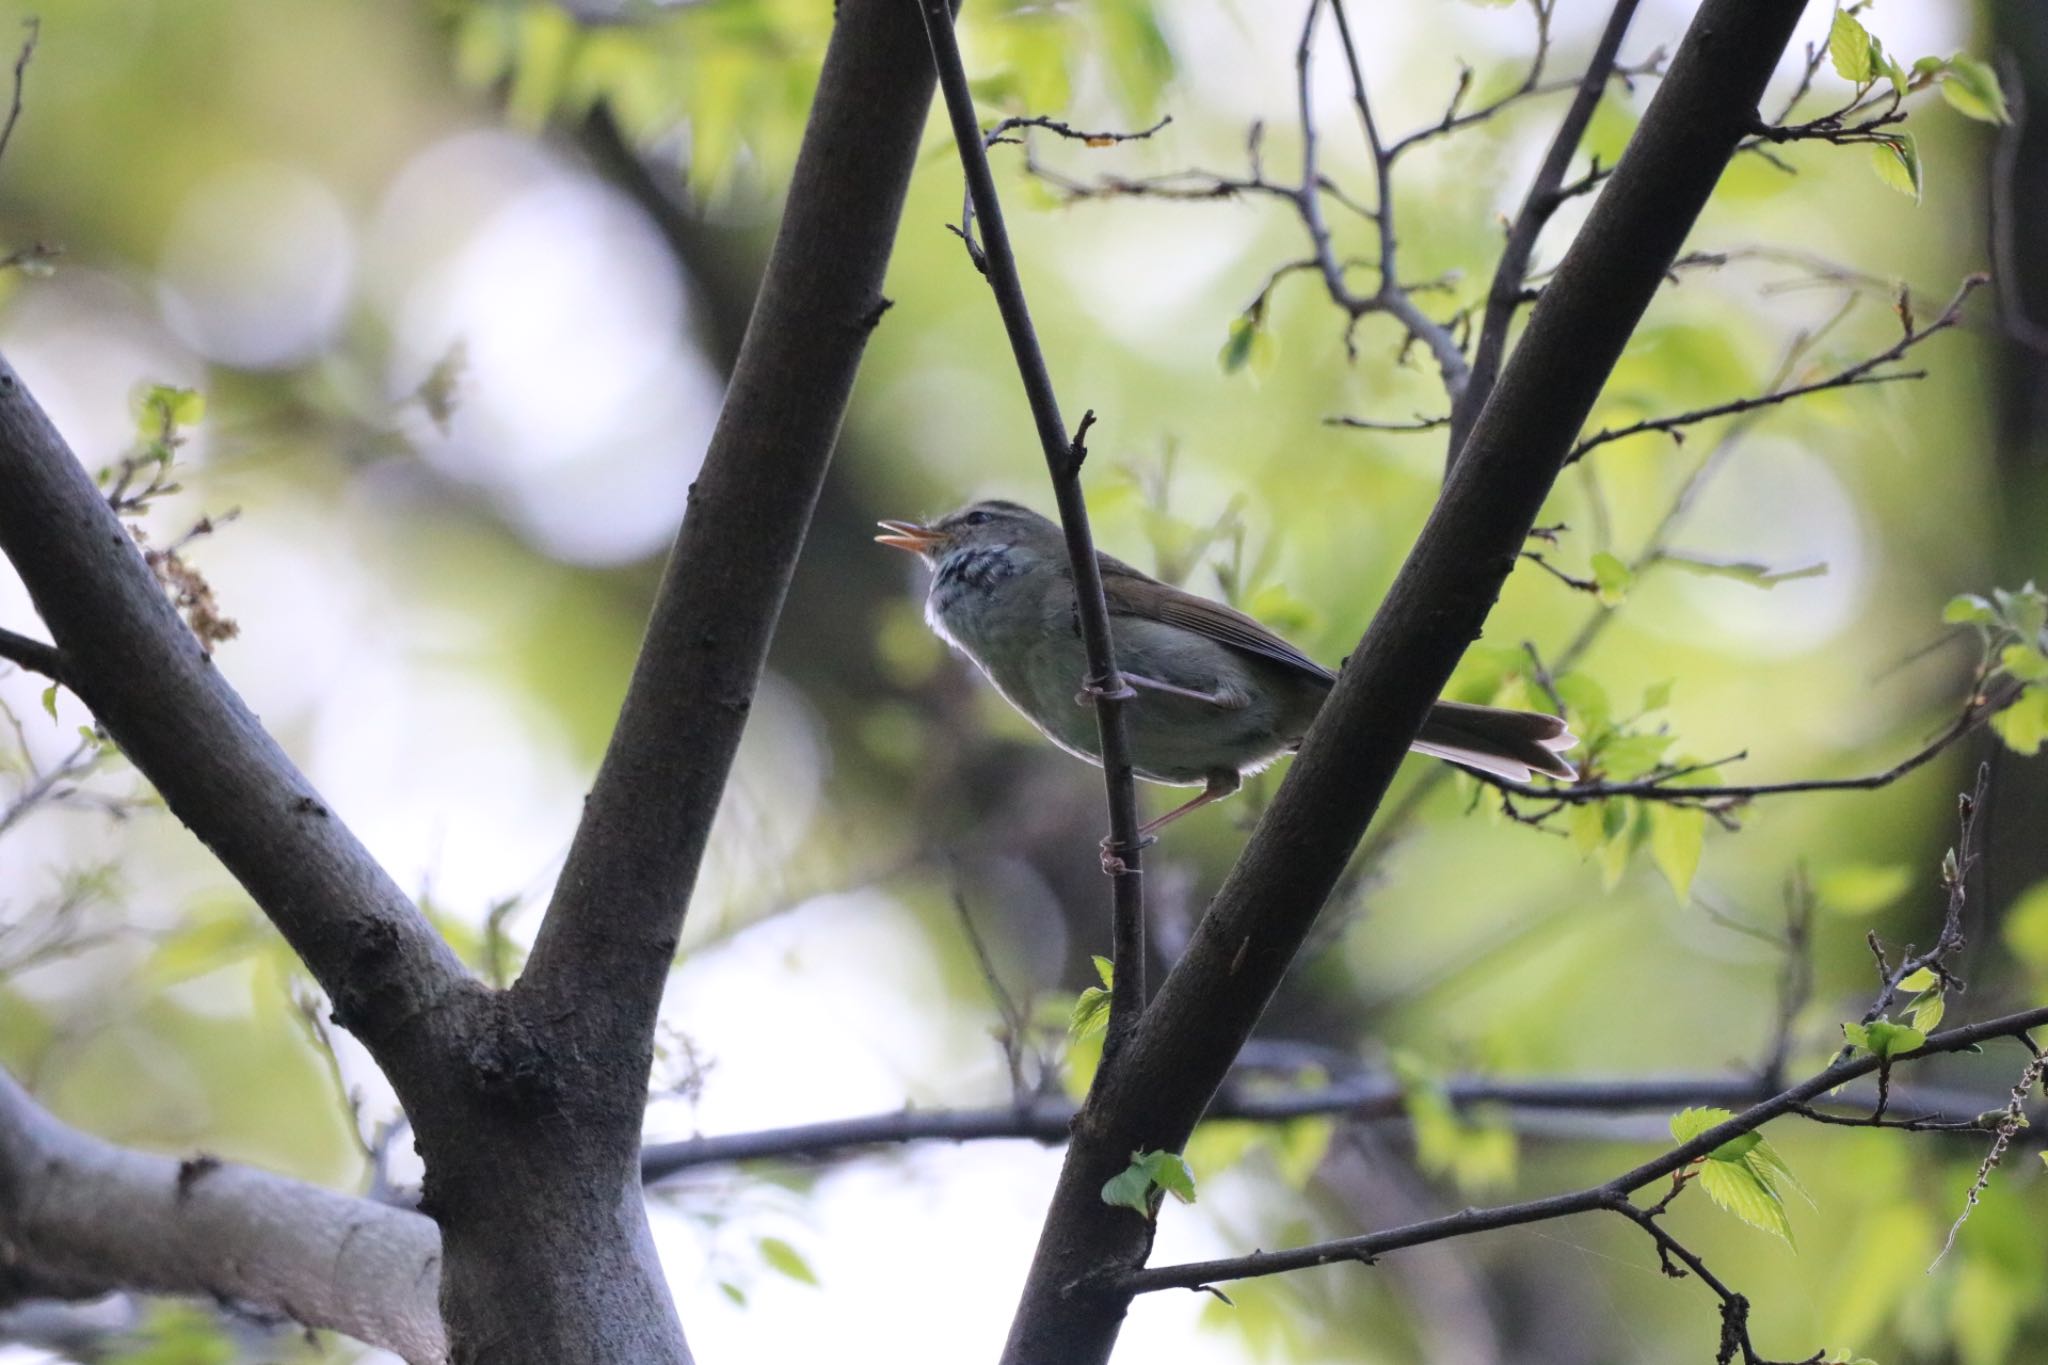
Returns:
point(527, 1103)
point(1151, 1096)
point(74, 1207)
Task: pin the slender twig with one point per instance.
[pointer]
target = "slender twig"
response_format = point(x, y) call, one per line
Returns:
point(1546, 192)
point(1670, 786)
point(28, 50)
point(1370, 1245)
point(1862, 372)
point(1370, 1096)
point(1015, 1016)
point(1392, 297)
point(1955, 876)
point(1063, 458)
point(1072, 134)
point(1420, 423)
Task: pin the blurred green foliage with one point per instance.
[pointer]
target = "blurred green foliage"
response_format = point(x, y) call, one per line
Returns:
point(1752, 599)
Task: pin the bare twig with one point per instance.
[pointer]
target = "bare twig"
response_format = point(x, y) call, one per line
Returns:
point(1367, 1097)
point(1546, 192)
point(28, 50)
point(1669, 786)
point(1612, 1196)
point(1063, 457)
point(1420, 423)
point(1862, 372)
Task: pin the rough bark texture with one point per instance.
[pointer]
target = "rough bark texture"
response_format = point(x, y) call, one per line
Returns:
point(527, 1103)
point(72, 1205)
point(1150, 1098)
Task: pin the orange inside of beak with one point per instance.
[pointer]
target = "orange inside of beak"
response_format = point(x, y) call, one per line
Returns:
point(908, 535)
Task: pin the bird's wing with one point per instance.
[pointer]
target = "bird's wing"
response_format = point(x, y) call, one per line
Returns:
point(1122, 586)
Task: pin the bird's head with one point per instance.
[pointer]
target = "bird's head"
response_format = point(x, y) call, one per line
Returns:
point(992, 525)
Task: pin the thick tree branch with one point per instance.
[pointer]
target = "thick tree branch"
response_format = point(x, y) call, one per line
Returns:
point(151, 683)
point(1063, 457)
point(611, 931)
point(570, 1074)
point(1078, 1287)
point(74, 1208)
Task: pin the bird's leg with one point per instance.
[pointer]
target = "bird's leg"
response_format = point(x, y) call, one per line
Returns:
point(1222, 783)
point(1229, 698)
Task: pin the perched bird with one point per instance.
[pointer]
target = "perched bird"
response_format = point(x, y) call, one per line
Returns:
point(1218, 694)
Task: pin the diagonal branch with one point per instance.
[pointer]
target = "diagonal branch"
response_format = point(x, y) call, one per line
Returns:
point(76, 1209)
point(152, 684)
point(604, 949)
point(1604, 1196)
point(1063, 457)
point(1078, 1290)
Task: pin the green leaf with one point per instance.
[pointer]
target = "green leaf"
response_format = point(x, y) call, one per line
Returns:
point(1677, 834)
point(1657, 696)
point(1883, 1038)
point(1895, 158)
point(1626, 756)
point(1688, 1124)
point(1918, 981)
point(780, 1256)
point(50, 700)
point(1972, 90)
point(167, 405)
point(1736, 1148)
point(1968, 609)
point(1860, 888)
point(1742, 1191)
point(2025, 611)
point(2024, 725)
point(1134, 1186)
point(1250, 346)
point(1612, 577)
point(1091, 1006)
point(733, 1292)
point(1170, 1173)
point(1091, 1013)
point(1849, 48)
point(2024, 662)
point(1927, 1009)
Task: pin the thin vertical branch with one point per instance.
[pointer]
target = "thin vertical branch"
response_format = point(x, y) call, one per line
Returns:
point(1063, 459)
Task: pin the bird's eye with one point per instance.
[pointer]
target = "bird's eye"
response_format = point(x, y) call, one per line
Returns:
point(977, 518)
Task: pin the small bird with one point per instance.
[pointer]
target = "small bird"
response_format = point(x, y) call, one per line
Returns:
point(1218, 694)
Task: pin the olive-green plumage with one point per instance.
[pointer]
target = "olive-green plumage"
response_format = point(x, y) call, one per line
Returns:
point(1218, 694)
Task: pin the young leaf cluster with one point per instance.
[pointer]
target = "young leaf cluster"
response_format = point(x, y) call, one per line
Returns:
point(2010, 628)
point(1744, 1175)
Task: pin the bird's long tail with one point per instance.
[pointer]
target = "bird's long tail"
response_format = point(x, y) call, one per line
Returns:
point(1510, 744)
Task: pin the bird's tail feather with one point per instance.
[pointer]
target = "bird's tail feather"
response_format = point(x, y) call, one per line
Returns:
point(1510, 744)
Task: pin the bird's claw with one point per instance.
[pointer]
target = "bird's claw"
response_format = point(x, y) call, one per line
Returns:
point(1092, 691)
point(1113, 864)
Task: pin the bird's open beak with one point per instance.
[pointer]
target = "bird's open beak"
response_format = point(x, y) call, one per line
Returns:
point(908, 535)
